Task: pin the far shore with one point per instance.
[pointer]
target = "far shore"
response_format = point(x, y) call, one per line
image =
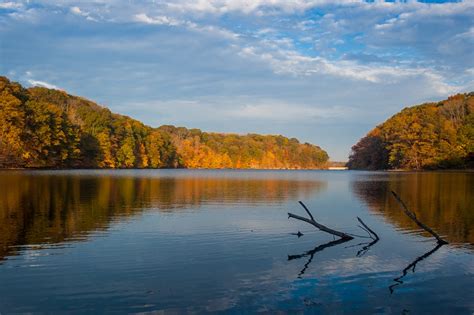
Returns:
point(435, 170)
point(241, 169)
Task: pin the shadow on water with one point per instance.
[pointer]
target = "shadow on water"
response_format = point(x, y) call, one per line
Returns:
point(365, 247)
point(412, 267)
point(52, 208)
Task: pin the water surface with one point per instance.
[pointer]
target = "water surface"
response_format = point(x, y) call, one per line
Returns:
point(185, 241)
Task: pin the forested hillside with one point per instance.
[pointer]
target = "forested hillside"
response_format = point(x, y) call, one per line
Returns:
point(429, 136)
point(45, 128)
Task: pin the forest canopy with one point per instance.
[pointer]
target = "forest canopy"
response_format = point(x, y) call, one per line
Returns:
point(428, 136)
point(47, 128)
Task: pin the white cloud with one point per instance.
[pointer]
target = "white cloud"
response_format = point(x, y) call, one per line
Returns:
point(169, 21)
point(78, 11)
point(238, 109)
point(287, 61)
point(441, 32)
point(30, 15)
point(278, 111)
point(251, 6)
point(158, 20)
point(43, 84)
point(11, 5)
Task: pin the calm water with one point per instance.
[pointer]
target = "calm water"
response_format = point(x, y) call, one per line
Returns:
point(184, 241)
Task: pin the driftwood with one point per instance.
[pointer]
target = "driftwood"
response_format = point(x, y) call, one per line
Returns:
point(412, 216)
point(318, 225)
point(412, 266)
point(311, 253)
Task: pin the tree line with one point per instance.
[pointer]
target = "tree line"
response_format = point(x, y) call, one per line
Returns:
point(47, 128)
point(428, 136)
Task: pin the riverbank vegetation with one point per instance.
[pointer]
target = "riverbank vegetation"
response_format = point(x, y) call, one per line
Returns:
point(428, 136)
point(46, 128)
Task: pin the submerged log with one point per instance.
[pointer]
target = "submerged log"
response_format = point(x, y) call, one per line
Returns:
point(412, 216)
point(318, 225)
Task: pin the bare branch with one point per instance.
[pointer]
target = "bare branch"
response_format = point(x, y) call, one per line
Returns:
point(370, 231)
point(412, 216)
point(364, 229)
point(306, 209)
point(321, 227)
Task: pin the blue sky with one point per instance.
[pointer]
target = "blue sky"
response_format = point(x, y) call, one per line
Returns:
point(323, 71)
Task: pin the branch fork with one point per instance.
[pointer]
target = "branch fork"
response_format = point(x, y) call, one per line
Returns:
point(318, 225)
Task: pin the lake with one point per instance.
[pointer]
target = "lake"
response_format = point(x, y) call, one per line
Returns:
point(196, 241)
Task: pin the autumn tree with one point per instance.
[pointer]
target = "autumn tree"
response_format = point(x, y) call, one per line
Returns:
point(428, 136)
point(50, 128)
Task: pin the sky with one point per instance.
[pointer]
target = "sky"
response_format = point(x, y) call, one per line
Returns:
point(325, 72)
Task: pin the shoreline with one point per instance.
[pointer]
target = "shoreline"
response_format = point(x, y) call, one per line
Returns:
point(239, 169)
point(435, 170)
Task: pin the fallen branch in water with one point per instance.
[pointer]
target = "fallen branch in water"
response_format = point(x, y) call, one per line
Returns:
point(344, 237)
point(372, 234)
point(375, 238)
point(412, 216)
point(321, 227)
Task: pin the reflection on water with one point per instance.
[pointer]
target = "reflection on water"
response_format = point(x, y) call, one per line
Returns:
point(443, 201)
point(37, 208)
point(311, 253)
point(411, 266)
point(179, 241)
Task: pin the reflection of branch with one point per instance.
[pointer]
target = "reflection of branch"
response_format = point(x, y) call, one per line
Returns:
point(412, 216)
point(318, 225)
point(299, 234)
point(412, 266)
point(311, 253)
point(366, 248)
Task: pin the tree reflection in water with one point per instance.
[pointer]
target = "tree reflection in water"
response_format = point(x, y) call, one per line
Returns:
point(444, 201)
point(56, 207)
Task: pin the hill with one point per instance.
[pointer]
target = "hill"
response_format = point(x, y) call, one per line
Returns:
point(47, 128)
point(428, 136)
